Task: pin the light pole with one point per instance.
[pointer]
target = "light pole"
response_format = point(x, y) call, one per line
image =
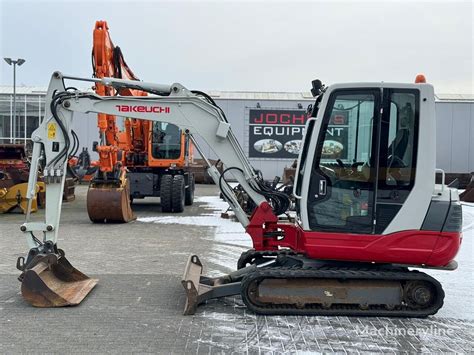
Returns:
point(18, 62)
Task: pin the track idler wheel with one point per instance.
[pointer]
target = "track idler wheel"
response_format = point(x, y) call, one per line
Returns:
point(419, 294)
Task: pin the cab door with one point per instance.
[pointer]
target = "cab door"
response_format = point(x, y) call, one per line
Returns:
point(342, 189)
point(364, 162)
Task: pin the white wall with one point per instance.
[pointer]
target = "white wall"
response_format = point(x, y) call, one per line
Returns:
point(455, 136)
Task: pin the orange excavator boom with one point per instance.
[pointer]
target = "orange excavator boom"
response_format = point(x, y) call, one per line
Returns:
point(140, 152)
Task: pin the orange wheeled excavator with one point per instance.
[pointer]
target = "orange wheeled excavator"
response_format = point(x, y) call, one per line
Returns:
point(144, 158)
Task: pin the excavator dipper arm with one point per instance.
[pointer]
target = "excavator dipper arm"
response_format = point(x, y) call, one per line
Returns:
point(48, 279)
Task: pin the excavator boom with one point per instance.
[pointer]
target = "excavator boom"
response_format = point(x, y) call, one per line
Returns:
point(110, 187)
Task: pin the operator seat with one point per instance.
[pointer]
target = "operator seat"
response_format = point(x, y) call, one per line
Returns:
point(398, 148)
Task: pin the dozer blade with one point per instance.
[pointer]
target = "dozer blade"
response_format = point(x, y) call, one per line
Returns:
point(201, 288)
point(54, 282)
point(106, 203)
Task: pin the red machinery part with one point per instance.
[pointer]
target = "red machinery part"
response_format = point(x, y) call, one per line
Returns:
point(412, 247)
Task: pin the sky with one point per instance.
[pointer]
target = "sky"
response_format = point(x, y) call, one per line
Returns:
point(250, 46)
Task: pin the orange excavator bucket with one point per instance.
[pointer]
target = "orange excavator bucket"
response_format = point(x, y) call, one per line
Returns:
point(54, 282)
point(108, 202)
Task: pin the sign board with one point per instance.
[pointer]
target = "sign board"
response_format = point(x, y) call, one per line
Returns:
point(275, 133)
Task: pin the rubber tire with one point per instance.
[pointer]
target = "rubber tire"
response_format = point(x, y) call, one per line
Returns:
point(177, 193)
point(166, 188)
point(189, 194)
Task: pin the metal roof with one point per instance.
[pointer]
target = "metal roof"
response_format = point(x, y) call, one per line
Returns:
point(23, 90)
point(233, 95)
point(217, 94)
point(28, 90)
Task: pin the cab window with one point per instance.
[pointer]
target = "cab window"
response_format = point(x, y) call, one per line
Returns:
point(401, 143)
point(342, 183)
point(166, 141)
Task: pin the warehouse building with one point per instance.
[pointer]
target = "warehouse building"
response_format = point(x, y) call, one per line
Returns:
point(269, 125)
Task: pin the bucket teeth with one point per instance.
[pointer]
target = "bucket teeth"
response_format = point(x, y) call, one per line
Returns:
point(54, 282)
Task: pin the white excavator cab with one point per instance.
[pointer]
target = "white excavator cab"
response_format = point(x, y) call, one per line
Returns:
point(371, 154)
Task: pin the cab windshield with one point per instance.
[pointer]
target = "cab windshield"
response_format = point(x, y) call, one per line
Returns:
point(166, 141)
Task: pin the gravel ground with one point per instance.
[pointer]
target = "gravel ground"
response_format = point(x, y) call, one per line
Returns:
point(137, 306)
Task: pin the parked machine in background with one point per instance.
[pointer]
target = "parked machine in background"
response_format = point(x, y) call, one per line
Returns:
point(367, 212)
point(84, 168)
point(468, 194)
point(14, 172)
point(142, 158)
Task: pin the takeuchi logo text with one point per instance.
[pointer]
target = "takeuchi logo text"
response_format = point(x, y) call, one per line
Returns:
point(142, 108)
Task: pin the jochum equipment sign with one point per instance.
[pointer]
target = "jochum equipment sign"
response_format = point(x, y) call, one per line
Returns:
point(278, 133)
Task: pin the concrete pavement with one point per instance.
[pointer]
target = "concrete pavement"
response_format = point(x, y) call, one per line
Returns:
point(137, 306)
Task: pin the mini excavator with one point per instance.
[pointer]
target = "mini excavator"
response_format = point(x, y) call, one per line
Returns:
point(369, 213)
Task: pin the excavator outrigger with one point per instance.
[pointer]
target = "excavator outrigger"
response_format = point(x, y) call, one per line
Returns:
point(367, 211)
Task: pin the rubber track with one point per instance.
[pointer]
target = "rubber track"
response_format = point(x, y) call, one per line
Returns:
point(340, 309)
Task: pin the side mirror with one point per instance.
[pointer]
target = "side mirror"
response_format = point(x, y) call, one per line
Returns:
point(317, 87)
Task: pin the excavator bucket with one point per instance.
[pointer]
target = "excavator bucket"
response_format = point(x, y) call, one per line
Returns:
point(54, 282)
point(109, 203)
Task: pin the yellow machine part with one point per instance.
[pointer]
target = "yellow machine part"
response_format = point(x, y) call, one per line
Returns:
point(15, 196)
